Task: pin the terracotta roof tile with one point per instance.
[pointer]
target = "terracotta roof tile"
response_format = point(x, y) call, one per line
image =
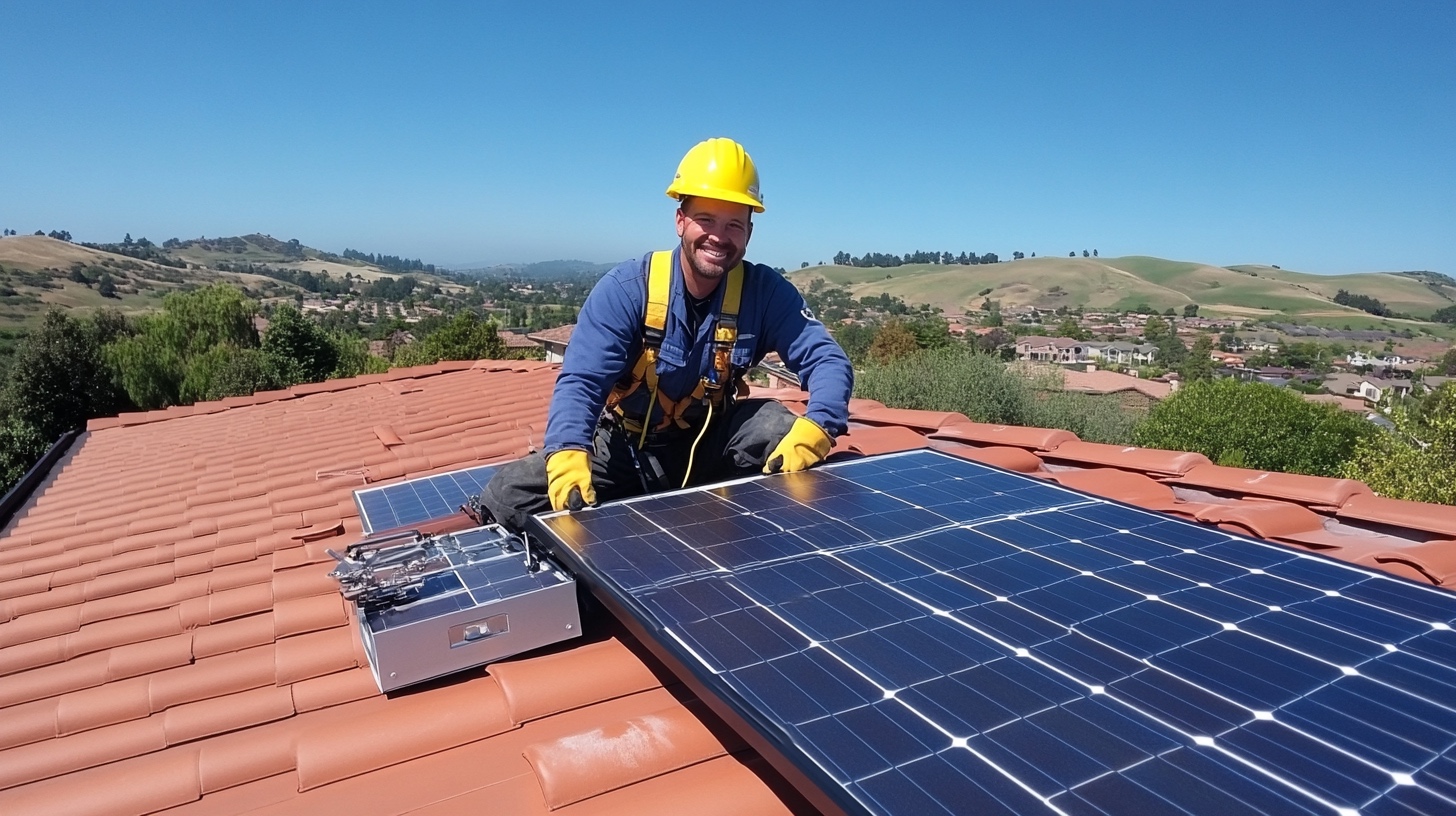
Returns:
point(180, 646)
point(541, 686)
point(614, 755)
point(1144, 460)
point(1369, 507)
point(1039, 439)
point(1311, 490)
point(1017, 459)
point(416, 725)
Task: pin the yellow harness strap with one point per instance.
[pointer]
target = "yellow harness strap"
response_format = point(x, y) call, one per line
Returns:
point(654, 322)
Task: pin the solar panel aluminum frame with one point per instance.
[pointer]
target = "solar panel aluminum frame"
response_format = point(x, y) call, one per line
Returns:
point(758, 728)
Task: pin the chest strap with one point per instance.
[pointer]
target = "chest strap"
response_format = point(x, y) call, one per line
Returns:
point(654, 325)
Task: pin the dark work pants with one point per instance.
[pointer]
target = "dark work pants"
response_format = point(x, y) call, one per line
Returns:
point(735, 446)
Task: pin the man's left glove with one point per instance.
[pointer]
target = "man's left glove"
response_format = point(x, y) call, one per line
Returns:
point(569, 480)
point(804, 446)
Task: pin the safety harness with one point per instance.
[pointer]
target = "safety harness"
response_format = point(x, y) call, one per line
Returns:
point(711, 388)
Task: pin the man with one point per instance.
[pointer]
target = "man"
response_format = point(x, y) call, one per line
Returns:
point(647, 398)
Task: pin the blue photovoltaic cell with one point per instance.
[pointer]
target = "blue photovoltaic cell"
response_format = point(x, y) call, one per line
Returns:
point(417, 500)
point(938, 636)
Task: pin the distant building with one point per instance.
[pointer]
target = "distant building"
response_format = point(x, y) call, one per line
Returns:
point(1051, 349)
point(1121, 352)
point(555, 341)
point(516, 341)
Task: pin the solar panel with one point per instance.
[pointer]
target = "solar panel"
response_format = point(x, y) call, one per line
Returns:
point(919, 634)
point(411, 502)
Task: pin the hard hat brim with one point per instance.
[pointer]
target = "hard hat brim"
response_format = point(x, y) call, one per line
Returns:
point(676, 192)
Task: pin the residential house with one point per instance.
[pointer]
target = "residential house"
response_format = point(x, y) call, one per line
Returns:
point(1122, 352)
point(517, 342)
point(1052, 349)
point(554, 341)
point(1373, 389)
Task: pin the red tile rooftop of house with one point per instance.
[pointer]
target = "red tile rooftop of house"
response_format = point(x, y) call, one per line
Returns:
point(170, 640)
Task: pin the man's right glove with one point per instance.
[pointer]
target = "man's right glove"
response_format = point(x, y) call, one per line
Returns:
point(801, 448)
point(569, 480)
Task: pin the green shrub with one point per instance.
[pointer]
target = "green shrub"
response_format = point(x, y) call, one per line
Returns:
point(982, 388)
point(1416, 461)
point(1255, 425)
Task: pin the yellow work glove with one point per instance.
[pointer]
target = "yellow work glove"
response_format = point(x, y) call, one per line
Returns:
point(803, 447)
point(569, 480)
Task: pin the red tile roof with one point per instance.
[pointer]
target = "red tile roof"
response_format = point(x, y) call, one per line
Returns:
point(170, 639)
point(1109, 382)
point(561, 335)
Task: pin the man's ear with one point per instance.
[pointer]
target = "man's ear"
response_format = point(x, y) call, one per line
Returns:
point(682, 222)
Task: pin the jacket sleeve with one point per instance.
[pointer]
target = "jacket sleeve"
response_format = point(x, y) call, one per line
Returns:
point(809, 351)
point(607, 330)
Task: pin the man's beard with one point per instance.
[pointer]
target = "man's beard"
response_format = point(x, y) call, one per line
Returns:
point(733, 256)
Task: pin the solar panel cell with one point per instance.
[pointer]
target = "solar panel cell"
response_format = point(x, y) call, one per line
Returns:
point(923, 634)
point(410, 502)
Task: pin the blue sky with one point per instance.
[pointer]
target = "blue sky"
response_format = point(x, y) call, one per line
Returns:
point(1316, 136)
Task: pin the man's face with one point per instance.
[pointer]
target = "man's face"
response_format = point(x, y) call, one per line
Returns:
point(714, 234)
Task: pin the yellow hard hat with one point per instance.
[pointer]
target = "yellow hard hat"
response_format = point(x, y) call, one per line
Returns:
point(718, 168)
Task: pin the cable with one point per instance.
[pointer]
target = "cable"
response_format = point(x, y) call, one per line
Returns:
point(647, 417)
point(693, 451)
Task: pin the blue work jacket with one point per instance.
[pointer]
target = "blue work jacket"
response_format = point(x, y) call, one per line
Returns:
point(772, 316)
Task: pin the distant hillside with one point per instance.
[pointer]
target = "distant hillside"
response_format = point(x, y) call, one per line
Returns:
point(541, 269)
point(1127, 282)
point(37, 272)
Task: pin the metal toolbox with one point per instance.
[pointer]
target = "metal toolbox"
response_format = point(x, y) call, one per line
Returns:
point(432, 605)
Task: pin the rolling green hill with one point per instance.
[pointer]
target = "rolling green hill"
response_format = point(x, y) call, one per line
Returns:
point(1127, 282)
point(36, 273)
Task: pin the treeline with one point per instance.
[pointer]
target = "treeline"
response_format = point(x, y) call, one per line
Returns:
point(202, 345)
point(1365, 303)
point(1444, 315)
point(140, 249)
point(880, 259)
point(393, 263)
point(321, 283)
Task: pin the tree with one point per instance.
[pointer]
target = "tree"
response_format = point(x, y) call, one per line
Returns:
point(855, 339)
point(1416, 461)
point(466, 337)
point(1085, 254)
point(1199, 365)
point(299, 349)
point(1072, 254)
point(1190, 310)
point(354, 357)
point(57, 381)
point(931, 331)
point(892, 342)
point(1171, 352)
point(227, 371)
point(1094, 253)
point(152, 363)
point(1155, 329)
point(106, 287)
point(1071, 328)
point(993, 313)
point(1254, 425)
point(992, 341)
point(1447, 365)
